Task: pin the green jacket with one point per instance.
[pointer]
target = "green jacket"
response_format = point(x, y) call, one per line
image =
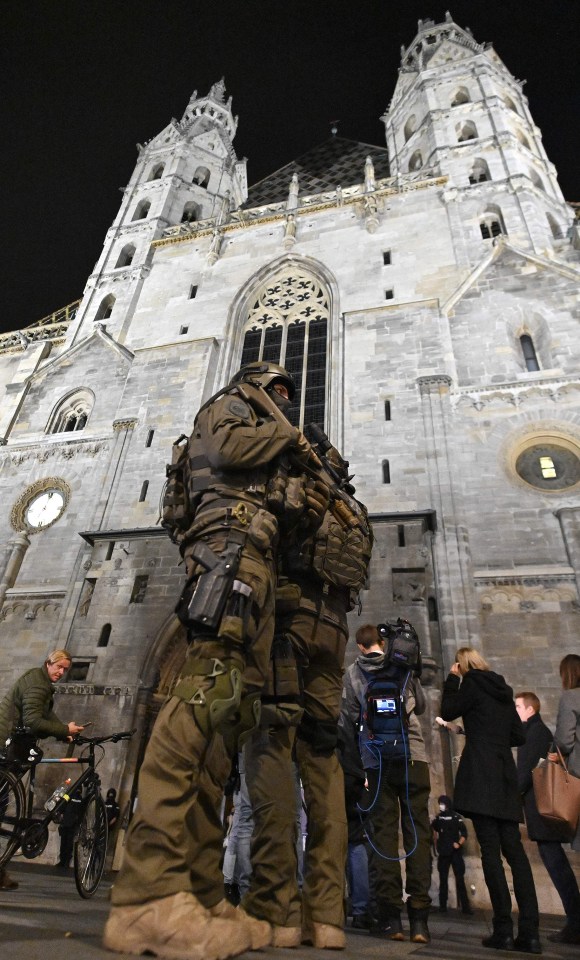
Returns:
point(29, 704)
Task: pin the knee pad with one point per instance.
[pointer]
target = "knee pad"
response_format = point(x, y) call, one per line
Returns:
point(238, 728)
point(213, 687)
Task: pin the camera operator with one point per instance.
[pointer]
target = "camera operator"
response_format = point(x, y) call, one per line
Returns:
point(398, 789)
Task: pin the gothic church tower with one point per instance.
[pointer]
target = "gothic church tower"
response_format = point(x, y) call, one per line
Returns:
point(458, 111)
point(189, 172)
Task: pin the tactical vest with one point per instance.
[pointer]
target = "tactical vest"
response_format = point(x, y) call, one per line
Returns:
point(190, 475)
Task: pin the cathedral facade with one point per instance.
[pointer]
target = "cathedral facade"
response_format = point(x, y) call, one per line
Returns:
point(424, 295)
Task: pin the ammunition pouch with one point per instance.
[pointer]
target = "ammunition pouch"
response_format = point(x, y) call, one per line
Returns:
point(288, 596)
point(214, 703)
point(322, 735)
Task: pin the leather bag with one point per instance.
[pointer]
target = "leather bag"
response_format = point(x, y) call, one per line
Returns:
point(557, 794)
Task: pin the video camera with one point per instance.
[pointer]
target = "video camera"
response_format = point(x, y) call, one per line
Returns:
point(402, 647)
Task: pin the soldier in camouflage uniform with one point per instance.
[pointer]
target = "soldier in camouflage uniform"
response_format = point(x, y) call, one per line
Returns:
point(319, 580)
point(217, 510)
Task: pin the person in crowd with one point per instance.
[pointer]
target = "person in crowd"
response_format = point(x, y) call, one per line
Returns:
point(449, 835)
point(29, 706)
point(357, 862)
point(319, 578)
point(548, 837)
point(567, 738)
point(398, 793)
point(169, 897)
point(486, 790)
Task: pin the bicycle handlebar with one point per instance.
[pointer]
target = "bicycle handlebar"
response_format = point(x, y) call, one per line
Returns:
point(112, 738)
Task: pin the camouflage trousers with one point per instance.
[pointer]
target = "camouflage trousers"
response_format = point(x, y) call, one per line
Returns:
point(174, 839)
point(274, 893)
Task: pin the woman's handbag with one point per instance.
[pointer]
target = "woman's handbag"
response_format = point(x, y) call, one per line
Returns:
point(557, 794)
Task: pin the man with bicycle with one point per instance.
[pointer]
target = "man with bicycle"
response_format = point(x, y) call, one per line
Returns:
point(26, 712)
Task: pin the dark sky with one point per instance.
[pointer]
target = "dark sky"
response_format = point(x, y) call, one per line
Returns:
point(84, 80)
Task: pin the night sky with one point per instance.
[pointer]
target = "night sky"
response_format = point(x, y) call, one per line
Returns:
point(83, 81)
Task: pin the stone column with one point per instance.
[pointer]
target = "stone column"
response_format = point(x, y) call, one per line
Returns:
point(569, 519)
point(20, 544)
point(456, 596)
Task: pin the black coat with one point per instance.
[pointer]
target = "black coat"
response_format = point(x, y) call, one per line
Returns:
point(538, 742)
point(486, 781)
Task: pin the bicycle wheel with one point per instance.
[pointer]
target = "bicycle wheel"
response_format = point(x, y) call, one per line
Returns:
point(90, 846)
point(12, 806)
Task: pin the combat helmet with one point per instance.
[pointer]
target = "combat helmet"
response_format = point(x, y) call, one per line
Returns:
point(266, 374)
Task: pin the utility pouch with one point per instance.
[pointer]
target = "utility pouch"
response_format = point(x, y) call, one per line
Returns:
point(287, 597)
point(175, 513)
point(207, 604)
point(234, 623)
point(263, 531)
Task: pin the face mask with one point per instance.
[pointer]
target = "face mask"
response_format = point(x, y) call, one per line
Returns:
point(281, 402)
point(442, 807)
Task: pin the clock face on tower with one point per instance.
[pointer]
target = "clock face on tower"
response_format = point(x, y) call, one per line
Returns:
point(40, 505)
point(45, 508)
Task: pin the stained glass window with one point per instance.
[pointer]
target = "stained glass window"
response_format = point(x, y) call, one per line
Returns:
point(288, 324)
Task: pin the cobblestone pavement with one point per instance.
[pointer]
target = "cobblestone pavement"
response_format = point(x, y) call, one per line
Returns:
point(45, 919)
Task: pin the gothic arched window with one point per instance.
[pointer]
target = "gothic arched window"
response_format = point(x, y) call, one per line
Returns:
point(142, 210)
point(191, 212)
point(410, 127)
point(529, 352)
point(466, 131)
point(416, 161)
point(201, 176)
point(491, 224)
point(105, 307)
point(461, 96)
point(157, 172)
point(537, 180)
point(126, 256)
point(288, 324)
point(479, 172)
point(71, 413)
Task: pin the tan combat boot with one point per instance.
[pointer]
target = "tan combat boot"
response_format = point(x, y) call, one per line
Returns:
point(287, 937)
point(260, 931)
point(177, 927)
point(324, 936)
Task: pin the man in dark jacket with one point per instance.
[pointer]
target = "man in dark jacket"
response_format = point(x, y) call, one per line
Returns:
point(449, 835)
point(29, 704)
point(538, 741)
point(398, 794)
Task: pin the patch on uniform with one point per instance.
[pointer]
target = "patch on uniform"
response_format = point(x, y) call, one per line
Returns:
point(239, 408)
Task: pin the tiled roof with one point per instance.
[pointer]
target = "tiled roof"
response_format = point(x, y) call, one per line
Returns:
point(336, 162)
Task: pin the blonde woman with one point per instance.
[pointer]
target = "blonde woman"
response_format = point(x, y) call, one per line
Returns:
point(486, 790)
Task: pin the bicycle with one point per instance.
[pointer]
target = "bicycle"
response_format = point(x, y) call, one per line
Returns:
point(20, 829)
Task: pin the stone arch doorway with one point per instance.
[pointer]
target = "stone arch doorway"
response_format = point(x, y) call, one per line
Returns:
point(159, 674)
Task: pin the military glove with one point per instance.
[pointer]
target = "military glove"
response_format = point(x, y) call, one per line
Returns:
point(317, 501)
point(304, 452)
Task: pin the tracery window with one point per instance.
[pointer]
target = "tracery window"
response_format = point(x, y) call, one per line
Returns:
point(416, 161)
point(72, 413)
point(288, 324)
